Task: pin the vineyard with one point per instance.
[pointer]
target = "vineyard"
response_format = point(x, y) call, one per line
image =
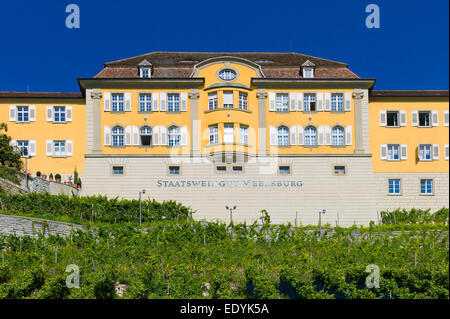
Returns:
point(189, 259)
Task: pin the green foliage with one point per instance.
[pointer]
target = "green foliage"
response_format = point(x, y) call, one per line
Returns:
point(95, 208)
point(262, 285)
point(8, 155)
point(11, 174)
point(415, 216)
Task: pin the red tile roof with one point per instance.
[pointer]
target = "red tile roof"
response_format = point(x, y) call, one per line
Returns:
point(57, 95)
point(409, 93)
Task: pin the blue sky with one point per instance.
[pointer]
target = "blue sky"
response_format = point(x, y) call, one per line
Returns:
point(409, 51)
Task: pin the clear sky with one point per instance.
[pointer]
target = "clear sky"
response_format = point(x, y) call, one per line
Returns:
point(410, 50)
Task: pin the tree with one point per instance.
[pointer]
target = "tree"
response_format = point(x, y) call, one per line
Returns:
point(8, 155)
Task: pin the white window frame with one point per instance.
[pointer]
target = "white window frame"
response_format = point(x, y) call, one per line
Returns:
point(283, 135)
point(117, 102)
point(422, 151)
point(282, 102)
point(429, 189)
point(309, 136)
point(243, 134)
point(337, 105)
point(212, 101)
point(243, 100)
point(430, 120)
point(117, 166)
point(391, 154)
point(228, 133)
point(309, 98)
point(174, 134)
point(145, 102)
point(145, 73)
point(395, 187)
point(59, 114)
point(398, 118)
point(228, 105)
point(59, 148)
point(338, 136)
point(117, 137)
point(20, 148)
point(144, 131)
point(213, 134)
point(25, 111)
point(227, 74)
point(173, 102)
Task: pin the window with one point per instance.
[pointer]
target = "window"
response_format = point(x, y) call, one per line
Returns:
point(394, 186)
point(22, 147)
point(392, 119)
point(310, 135)
point(283, 135)
point(339, 170)
point(173, 102)
point(227, 75)
point(221, 168)
point(228, 100)
point(174, 136)
point(309, 102)
point(393, 152)
point(282, 102)
point(145, 73)
point(308, 73)
point(285, 170)
point(228, 133)
point(212, 101)
point(146, 135)
point(117, 170)
point(426, 186)
point(425, 152)
point(424, 118)
point(59, 114)
point(174, 170)
point(243, 101)
point(145, 102)
point(337, 103)
point(22, 114)
point(117, 136)
point(338, 135)
point(117, 102)
point(243, 135)
point(59, 148)
point(237, 169)
point(213, 134)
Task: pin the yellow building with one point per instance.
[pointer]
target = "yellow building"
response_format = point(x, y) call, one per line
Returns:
point(289, 133)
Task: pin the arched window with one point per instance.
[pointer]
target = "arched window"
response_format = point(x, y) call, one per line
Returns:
point(174, 136)
point(146, 135)
point(310, 135)
point(338, 135)
point(283, 135)
point(117, 136)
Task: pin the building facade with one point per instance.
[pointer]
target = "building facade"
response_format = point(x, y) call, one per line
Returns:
point(285, 132)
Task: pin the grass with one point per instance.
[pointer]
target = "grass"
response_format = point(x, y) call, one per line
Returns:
point(11, 174)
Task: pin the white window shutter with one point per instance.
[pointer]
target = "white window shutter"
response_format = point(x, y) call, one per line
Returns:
point(414, 118)
point(435, 118)
point(183, 97)
point(382, 118)
point(319, 101)
point(348, 101)
point(69, 148)
point(135, 135)
point(272, 104)
point(68, 114)
point(163, 134)
point(321, 135)
point(446, 149)
point(273, 135)
point(13, 143)
point(128, 130)
point(163, 105)
point(348, 135)
point(403, 152)
point(293, 135)
point(32, 109)
point(107, 135)
point(107, 101)
point(155, 104)
point(402, 118)
point(32, 148)
point(435, 151)
point(127, 97)
point(184, 135)
point(155, 135)
point(446, 118)
point(49, 113)
point(292, 101)
point(383, 151)
point(49, 148)
point(327, 101)
point(300, 133)
point(12, 113)
point(300, 101)
point(327, 135)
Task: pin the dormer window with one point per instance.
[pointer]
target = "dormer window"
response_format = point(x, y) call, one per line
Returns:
point(145, 69)
point(308, 69)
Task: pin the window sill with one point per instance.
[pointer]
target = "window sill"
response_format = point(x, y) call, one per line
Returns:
point(338, 146)
point(426, 194)
point(117, 112)
point(394, 194)
point(430, 126)
point(227, 109)
point(231, 143)
point(338, 112)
